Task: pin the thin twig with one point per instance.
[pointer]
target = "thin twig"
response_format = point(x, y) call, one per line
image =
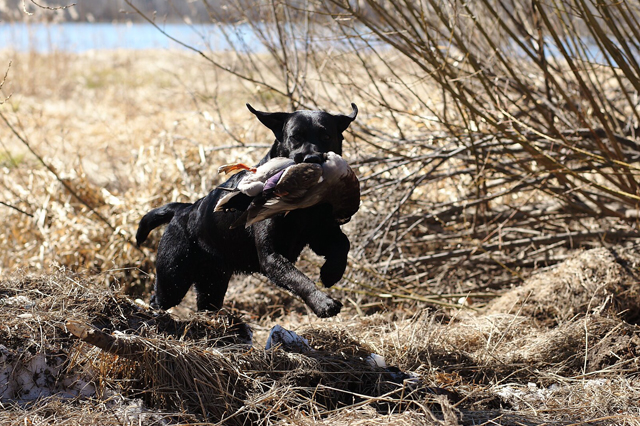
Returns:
point(16, 208)
point(4, 79)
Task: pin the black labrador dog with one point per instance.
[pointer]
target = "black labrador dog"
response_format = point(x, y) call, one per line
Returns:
point(199, 248)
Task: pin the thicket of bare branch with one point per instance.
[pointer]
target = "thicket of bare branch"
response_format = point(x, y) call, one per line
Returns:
point(494, 135)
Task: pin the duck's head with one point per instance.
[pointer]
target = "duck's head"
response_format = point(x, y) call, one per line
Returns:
point(334, 166)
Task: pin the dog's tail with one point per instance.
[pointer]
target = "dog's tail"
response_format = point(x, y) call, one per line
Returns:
point(157, 217)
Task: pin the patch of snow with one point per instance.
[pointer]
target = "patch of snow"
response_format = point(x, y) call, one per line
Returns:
point(25, 377)
point(522, 396)
point(19, 301)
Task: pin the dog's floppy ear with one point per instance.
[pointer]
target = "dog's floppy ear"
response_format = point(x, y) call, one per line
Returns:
point(273, 120)
point(345, 120)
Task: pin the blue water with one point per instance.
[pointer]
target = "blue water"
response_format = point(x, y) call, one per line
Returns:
point(80, 37)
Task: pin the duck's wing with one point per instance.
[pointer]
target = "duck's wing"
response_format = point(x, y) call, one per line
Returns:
point(276, 205)
point(273, 166)
point(296, 180)
point(297, 187)
point(252, 184)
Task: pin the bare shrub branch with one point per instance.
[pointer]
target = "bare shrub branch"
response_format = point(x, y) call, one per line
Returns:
point(41, 6)
point(4, 79)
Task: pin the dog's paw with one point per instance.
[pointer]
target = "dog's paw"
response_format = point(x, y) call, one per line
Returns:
point(324, 306)
point(331, 273)
point(153, 304)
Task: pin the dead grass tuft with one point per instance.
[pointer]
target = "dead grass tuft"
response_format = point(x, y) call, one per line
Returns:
point(442, 369)
point(596, 281)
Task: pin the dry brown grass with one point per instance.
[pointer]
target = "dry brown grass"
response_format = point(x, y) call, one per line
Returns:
point(124, 136)
point(501, 368)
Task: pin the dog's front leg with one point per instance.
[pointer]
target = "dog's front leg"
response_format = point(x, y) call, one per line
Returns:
point(283, 273)
point(329, 241)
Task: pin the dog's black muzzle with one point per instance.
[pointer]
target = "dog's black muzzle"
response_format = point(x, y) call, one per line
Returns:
point(317, 158)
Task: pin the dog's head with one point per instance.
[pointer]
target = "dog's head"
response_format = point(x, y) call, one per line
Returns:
point(305, 135)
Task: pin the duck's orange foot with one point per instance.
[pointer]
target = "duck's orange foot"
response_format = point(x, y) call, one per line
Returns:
point(232, 168)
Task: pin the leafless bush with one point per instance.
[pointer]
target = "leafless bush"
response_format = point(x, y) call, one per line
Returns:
point(540, 110)
point(494, 135)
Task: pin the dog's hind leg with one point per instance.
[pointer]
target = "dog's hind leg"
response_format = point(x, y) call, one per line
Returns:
point(211, 287)
point(186, 269)
point(176, 268)
point(169, 291)
point(170, 287)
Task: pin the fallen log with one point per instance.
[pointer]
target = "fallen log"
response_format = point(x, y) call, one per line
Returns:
point(130, 347)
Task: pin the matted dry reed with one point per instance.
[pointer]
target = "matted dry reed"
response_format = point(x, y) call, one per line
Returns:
point(503, 366)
